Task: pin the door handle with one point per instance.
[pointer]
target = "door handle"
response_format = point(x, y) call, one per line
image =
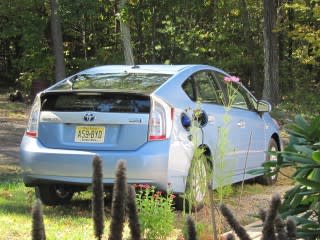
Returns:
point(241, 124)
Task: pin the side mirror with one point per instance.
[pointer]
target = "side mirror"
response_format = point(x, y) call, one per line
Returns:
point(263, 106)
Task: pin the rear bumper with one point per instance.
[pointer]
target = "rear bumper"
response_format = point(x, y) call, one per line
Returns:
point(148, 164)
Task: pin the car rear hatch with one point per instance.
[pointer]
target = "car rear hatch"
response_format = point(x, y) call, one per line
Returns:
point(94, 120)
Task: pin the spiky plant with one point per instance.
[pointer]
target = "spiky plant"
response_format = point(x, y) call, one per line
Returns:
point(38, 231)
point(234, 224)
point(118, 203)
point(134, 223)
point(97, 197)
point(230, 237)
point(268, 231)
point(274, 228)
point(291, 229)
point(280, 228)
point(192, 234)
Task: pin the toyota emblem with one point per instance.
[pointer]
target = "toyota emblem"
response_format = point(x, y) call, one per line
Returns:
point(88, 117)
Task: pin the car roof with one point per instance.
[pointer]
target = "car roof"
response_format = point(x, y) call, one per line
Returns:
point(152, 68)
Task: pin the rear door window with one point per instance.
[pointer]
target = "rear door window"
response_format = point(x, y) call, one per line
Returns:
point(207, 88)
point(203, 87)
point(189, 88)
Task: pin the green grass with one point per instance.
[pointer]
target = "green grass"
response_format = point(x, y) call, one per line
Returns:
point(72, 221)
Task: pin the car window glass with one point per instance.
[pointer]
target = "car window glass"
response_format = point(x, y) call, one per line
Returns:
point(251, 101)
point(136, 82)
point(241, 99)
point(188, 87)
point(223, 91)
point(237, 99)
point(207, 88)
point(102, 102)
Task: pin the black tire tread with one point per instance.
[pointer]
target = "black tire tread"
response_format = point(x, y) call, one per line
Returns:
point(264, 179)
point(49, 197)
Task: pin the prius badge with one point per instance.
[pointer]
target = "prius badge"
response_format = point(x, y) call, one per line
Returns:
point(89, 117)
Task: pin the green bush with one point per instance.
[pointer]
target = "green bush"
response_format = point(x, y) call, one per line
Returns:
point(303, 155)
point(155, 212)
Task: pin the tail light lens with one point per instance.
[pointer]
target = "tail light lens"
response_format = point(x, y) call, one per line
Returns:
point(33, 123)
point(160, 121)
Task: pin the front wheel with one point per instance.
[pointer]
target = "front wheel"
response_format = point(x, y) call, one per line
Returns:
point(52, 195)
point(270, 179)
point(196, 186)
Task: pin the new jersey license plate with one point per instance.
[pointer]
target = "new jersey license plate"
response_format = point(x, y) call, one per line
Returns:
point(90, 134)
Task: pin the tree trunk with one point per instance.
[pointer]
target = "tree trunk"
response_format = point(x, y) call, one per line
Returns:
point(255, 80)
point(290, 42)
point(153, 59)
point(57, 43)
point(271, 57)
point(126, 38)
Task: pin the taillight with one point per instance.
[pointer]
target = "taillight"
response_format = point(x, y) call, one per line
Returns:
point(33, 123)
point(160, 120)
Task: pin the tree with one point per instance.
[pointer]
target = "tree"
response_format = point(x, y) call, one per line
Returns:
point(271, 58)
point(57, 42)
point(125, 35)
point(248, 37)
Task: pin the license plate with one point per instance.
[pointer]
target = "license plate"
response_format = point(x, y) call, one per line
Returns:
point(90, 134)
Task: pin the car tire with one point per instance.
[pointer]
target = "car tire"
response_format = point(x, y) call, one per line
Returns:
point(196, 185)
point(266, 179)
point(52, 195)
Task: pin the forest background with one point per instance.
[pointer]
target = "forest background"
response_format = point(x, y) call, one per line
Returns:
point(273, 45)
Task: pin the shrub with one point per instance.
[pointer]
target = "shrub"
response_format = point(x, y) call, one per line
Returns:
point(155, 211)
point(303, 155)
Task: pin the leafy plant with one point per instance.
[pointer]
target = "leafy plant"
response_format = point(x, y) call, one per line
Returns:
point(223, 170)
point(303, 155)
point(155, 211)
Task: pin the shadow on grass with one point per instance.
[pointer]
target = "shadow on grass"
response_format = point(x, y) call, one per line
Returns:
point(17, 199)
point(13, 207)
point(78, 207)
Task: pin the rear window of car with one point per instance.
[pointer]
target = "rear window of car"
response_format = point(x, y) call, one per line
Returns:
point(136, 82)
point(99, 102)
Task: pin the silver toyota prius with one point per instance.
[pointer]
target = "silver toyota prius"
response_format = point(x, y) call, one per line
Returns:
point(143, 115)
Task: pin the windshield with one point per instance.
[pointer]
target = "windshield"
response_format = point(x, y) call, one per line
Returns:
point(136, 82)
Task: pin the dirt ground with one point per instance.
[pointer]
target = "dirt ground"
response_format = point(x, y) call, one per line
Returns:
point(12, 126)
point(12, 129)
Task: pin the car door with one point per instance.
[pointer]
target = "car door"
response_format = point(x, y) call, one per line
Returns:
point(246, 128)
point(209, 98)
